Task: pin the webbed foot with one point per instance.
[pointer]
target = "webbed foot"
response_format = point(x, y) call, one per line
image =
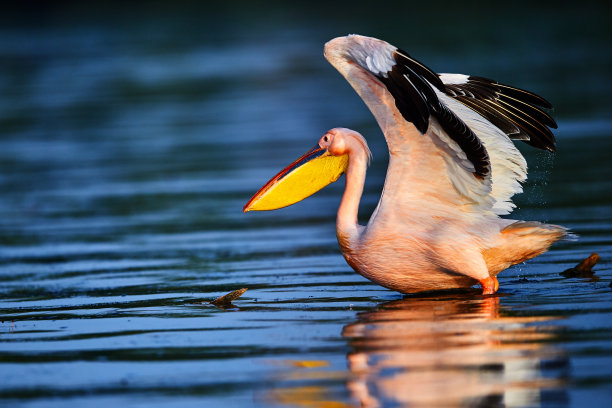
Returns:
point(489, 285)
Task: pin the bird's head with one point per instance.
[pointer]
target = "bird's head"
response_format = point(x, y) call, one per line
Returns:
point(319, 167)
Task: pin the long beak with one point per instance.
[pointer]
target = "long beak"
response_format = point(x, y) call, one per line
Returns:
point(302, 178)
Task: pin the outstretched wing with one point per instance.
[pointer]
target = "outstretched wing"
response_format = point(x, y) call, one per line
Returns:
point(470, 119)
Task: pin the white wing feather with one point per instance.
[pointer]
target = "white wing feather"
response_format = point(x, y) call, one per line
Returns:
point(508, 166)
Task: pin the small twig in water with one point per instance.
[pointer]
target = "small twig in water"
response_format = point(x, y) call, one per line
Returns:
point(584, 269)
point(226, 300)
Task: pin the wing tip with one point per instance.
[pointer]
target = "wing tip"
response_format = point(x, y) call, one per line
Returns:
point(519, 113)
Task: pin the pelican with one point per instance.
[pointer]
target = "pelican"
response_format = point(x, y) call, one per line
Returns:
point(453, 169)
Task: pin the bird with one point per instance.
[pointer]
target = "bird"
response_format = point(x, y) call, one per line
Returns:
point(453, 168)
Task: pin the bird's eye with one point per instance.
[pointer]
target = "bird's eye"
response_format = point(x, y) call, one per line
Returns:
point(326, 138)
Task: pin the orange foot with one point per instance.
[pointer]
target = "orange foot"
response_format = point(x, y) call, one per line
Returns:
point(489, 285)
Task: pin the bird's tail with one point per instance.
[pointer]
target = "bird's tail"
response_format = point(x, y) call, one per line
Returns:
point(526, 228)
point(523, 240)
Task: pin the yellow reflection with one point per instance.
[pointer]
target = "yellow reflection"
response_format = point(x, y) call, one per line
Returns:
point(309, 363)
point(304, 395)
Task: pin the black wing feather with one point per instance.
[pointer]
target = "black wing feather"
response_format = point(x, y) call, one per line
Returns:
point(408, 99)
point(496, 117)
point(539, 135)
point(403, 59)
point(508, 108)
point(410, 83)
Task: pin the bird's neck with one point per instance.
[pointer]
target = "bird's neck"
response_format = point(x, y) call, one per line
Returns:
point(347, 227)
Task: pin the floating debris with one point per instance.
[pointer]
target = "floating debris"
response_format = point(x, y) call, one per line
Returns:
point(584, 269)
point(226, 300)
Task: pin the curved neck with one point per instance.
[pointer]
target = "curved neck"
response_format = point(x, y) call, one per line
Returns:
point(346, 221)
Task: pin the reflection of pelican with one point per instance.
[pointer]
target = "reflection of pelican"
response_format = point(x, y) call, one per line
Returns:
point(452, 171)
point(453, 350)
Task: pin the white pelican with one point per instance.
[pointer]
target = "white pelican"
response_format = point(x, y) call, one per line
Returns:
point(452, 171)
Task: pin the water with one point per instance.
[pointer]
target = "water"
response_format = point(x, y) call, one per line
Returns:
point(131, 139)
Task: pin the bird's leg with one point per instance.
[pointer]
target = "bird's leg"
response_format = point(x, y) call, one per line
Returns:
point(489, 285)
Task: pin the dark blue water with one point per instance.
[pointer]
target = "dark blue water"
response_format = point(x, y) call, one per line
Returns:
point(132, 135)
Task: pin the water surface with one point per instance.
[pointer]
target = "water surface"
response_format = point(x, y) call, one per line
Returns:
point(129, 142)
